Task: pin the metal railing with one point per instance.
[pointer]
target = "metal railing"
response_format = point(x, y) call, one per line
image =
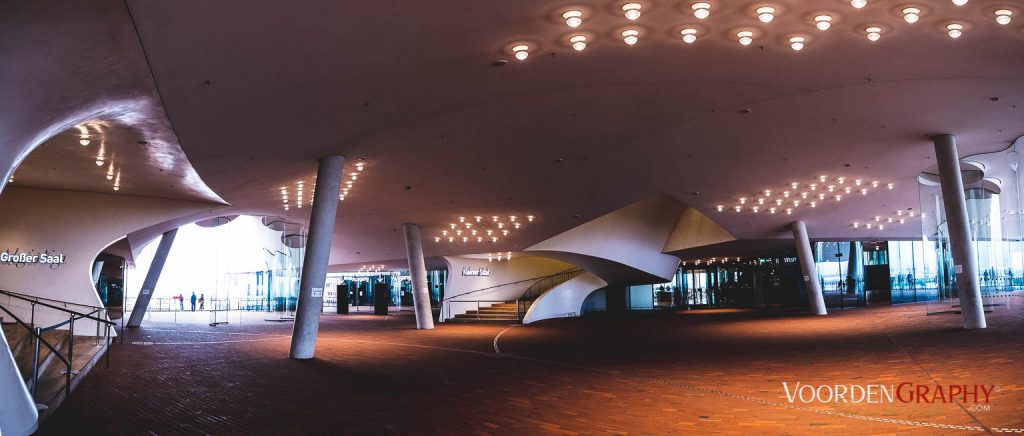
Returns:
point(540, 285)
point(547, 283)
point(251, 304)
point(37, 334)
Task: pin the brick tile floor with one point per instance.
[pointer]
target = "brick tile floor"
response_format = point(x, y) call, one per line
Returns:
point(717, 371)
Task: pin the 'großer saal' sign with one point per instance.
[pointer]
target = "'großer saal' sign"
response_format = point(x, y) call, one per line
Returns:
point(20, 259)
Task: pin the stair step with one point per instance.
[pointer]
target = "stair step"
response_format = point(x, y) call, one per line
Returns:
point(52, 377)
point(485, 315)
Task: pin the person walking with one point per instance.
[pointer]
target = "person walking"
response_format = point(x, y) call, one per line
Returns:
point(193, 300)
point(181, 301)
point(202, 301)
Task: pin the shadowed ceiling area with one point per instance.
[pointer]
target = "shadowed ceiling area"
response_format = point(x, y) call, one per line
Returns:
point(104, 157)
point(450, 123)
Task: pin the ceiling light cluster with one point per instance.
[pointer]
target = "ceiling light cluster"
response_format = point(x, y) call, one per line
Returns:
point(86, 134)
point(713, 260)
point(351, 179)
point(294, 194)
point(879, 222)
point(763, 12)
point(480, 228)
point(371, 268)
point(506, 256)
point(795, 195)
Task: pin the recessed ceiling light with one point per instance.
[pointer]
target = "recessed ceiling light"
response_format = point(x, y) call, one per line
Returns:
point(858, 3)
point(1003, 16)
point(911, 15)
point(955, 30)
point(701, 10)
point(630, 36)
point(579, 42)
point(573, 18)
point(689, 35)
point(631, 10)
point(745, 37)
point(823, 22)
point(765, 13)
point(796, 43)
point(959, 2)
point(874, 33)
point(521, 52)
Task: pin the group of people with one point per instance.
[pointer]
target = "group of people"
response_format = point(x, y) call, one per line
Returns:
point(201, 300)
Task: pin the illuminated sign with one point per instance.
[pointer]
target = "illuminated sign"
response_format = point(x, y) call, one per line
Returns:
point(470, 271)
point(20, 259)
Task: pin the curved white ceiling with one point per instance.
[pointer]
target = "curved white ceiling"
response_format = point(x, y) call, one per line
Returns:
point(257, 90)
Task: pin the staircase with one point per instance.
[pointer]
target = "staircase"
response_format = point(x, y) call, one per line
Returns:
point(506, 311)
point(50, 390)
point(63, 358)
point(498, 312)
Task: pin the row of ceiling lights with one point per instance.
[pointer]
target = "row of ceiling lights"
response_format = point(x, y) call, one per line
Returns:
point(810, 194)
point(360, 165)
point(479, 229)
point(879, 222)
point(85, 137)
point(501, 257)
point(300, 189)
point(765, 13)
point(712, 260)
point(371, 268)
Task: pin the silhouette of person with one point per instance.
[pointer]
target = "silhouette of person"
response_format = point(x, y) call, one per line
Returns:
point(202, 301)
point(193, 299)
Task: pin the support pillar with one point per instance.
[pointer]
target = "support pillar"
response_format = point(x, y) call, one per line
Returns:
point(806, 256)
point(418, 271)
point(318, 251)
point(149, 284)
point(964, 261)
point(854, 265)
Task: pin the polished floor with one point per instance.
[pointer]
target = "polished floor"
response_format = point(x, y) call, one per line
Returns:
point(718, 371)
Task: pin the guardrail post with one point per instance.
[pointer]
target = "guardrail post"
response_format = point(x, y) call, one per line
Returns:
point(106, 341)
point(35, 363)
point(71, 341)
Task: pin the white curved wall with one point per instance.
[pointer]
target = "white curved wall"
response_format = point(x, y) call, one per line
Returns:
point(565, 299)
point(78, 225)
point(632, 237)
point(18, 414)
point(521, 267)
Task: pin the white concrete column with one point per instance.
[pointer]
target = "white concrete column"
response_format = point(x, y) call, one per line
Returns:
point(418, 271)
point(806, 256)
point(149, 284)
point(964, 261)
point(318, 252)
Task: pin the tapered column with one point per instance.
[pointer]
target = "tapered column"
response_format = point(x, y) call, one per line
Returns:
point(853, 267)
point(806, 256)
point(149, 284)
point(965, 264)
point(418, 271)
point(318, 251)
